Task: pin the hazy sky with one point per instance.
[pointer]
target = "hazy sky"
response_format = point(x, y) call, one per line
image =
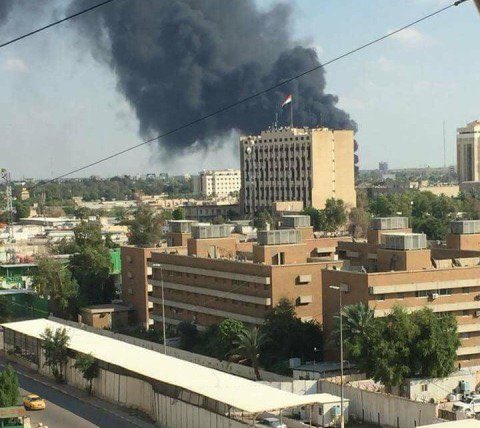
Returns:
point(60, 109)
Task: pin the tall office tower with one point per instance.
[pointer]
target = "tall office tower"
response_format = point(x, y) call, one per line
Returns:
point(468, 156)
point(309, 165)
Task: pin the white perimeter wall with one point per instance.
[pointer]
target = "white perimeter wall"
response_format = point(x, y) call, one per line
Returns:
point(383, 409)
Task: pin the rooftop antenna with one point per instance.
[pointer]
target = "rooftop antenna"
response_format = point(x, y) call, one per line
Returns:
point(9, 199)
point(276, 120)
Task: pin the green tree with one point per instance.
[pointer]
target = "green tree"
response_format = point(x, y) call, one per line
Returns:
point(261, 218)
point(287, 336)
point(435, 347)
point(9, 394)
point(392, 353)
point(146, 227)
point(358, 325)
point(382, 207)
point(22, 210)
point(188, 334)
point(90, 265)
point(54, 280)
point(335, 214)
point(317, 218)
point(400, 345)
point(6, 310)
point(55, 347)
point(247, 348)
point(178, 214)
point(88, 366)
point(359, 221)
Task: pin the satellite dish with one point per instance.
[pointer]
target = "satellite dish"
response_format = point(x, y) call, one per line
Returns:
point(248, 150)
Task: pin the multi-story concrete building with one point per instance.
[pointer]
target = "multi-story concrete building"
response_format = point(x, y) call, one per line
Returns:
point(222, 278)
point(297, 164)
point(222, 182)
point(396, 267)
point(468, 155)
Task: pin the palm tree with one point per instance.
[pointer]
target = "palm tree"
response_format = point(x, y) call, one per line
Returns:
point(247, 348)
point(358, 322)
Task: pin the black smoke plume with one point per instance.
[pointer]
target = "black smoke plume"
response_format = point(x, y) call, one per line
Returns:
point(177, 60)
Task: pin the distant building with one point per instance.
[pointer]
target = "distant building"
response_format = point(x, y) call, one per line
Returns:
point(24, 194)
point(309, 165)
point(468, 155)
point(209, 212)
point(219, 183)
point(383, 167)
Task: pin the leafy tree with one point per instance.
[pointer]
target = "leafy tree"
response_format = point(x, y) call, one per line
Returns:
point(335, 214)
point(435, 347)
point(400, 345)
point(188, 334)
point(434, 228)
point(88, 366)
point(218, 220)
point(178, 214)
point(247, 348)
point(382, 207)
point(317, 218)
point(54, 280)
point(146, 228)
point(6, 312)
point(286, 336)
point(261, 219)
point(359, 222)
point(90, 265)
point(392, 353)
point(22, 210)
point(55, 347)
point(358, 324)
point(8, 387)
point(119, 213)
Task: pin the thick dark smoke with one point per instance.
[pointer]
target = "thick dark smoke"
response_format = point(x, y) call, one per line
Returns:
point(177, 60)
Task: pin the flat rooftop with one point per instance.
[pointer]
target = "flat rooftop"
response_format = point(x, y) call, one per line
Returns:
point(242, 394)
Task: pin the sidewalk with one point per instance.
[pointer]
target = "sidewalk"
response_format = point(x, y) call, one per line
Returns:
point(134, 417)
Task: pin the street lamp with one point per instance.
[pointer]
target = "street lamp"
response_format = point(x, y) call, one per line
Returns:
point(341, 289)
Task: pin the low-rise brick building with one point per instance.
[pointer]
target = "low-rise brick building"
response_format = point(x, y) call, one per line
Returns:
point(403, 271)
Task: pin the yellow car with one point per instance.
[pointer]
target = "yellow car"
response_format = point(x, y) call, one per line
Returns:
point(34, 402)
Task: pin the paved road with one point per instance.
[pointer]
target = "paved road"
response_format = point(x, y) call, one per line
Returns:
point(65, 411)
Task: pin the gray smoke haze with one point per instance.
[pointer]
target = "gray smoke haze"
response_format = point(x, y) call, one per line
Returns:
point(177, 60)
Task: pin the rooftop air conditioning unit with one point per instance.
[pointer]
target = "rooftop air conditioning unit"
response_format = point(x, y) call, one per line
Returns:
point(434, 296)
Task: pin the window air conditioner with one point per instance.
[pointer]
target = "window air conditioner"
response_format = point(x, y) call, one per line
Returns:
point(434, 296)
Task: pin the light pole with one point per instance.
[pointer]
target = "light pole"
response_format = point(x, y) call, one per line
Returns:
point(341, 289)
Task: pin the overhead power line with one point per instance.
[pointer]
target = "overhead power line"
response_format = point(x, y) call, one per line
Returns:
point(250, 97)
point(53, 24)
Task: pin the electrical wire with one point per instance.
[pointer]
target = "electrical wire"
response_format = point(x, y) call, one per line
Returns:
point(248, 98)
point(53, 24)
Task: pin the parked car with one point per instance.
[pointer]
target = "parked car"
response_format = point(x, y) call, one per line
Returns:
point(469, 405)
point(34, 402)
point(271, 422)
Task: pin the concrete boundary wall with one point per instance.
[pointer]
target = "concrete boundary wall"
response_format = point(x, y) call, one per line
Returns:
point(383, 409)
point(213, 363)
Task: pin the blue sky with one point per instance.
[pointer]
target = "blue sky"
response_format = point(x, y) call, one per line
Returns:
point(59, 107)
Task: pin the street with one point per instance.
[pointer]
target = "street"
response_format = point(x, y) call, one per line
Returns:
point(65, 411)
